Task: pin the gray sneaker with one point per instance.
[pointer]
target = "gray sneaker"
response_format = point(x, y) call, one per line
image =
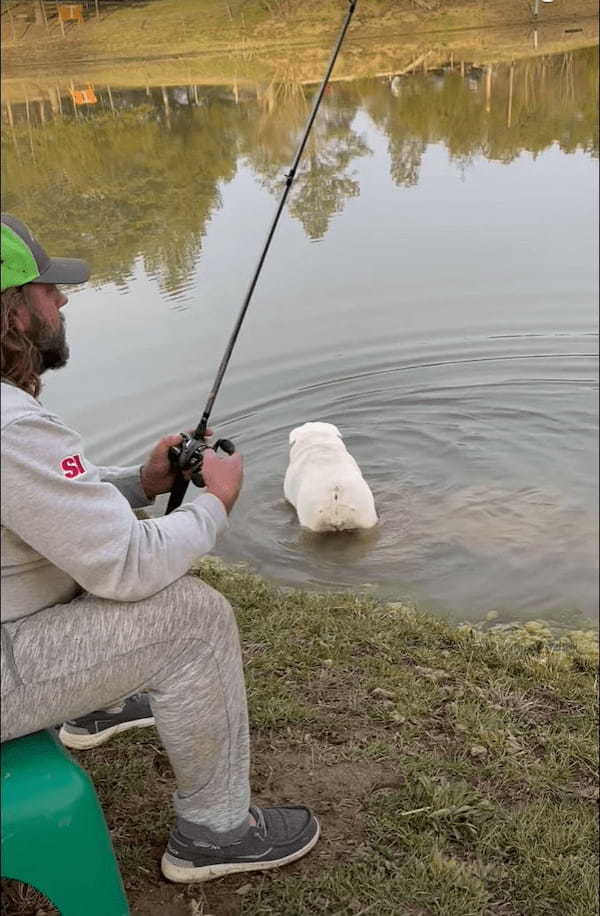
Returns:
point(281, 835)
point(99, 726)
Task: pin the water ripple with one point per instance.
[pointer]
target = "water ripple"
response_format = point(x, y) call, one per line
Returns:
point(481, 478)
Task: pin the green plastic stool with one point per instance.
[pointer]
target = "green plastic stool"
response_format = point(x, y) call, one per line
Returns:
point(54, 836)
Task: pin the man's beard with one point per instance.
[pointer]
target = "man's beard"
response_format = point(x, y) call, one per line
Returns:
point(51, 344)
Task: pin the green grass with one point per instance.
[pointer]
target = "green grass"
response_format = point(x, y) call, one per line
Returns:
point(454, 771)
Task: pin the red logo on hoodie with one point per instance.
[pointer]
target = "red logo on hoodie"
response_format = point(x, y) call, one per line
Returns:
point(72, 466)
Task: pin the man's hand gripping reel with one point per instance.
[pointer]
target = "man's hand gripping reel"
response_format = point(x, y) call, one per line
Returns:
point(188, 456)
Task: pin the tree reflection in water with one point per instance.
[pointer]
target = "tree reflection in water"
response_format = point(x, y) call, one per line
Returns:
point(139, 173)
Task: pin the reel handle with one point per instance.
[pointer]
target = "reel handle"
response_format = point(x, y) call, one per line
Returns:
point(189, 455)
point(226, 445)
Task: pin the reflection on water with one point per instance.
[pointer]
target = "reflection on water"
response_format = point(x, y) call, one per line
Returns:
point(444, 321)
point(140, 172)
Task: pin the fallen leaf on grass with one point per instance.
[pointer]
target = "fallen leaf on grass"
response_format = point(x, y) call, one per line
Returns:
point(244, 889)
point(435, 674)
point(397, 718)
point(385, 694)
point(478, 751)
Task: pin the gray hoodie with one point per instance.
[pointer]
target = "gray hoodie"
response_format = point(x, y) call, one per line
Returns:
point(69, 525)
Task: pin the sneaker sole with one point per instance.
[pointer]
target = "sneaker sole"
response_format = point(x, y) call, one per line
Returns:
point(82, 742)
point(187, 874)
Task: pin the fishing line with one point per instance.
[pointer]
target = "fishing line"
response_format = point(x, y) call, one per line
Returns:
point(188, 456)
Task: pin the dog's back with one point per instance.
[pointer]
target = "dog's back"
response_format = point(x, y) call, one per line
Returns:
point(324, 483)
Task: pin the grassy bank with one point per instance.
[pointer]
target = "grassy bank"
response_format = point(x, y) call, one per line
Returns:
point(454, 772)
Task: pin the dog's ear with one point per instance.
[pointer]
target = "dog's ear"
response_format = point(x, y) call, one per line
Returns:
point(292, 437)
point(327, 428)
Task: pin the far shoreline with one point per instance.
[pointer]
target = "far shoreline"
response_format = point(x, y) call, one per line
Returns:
point(194, 46)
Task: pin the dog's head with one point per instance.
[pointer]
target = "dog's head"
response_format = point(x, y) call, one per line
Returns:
point(314, 432)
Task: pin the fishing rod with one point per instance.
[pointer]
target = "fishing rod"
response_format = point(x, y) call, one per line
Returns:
point(188, 456)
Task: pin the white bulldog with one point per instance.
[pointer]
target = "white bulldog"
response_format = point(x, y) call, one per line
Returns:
point(324, 483)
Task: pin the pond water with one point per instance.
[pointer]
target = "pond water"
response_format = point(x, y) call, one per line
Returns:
point(431, 290)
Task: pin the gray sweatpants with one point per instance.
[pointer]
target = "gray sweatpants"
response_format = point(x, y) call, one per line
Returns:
point(181, 645)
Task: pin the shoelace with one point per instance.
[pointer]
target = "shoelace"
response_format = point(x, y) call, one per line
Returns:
point(259, 817)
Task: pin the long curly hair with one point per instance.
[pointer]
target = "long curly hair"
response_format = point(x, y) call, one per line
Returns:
point(21, 359)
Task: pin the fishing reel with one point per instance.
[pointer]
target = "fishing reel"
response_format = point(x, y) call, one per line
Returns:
point(188, 456)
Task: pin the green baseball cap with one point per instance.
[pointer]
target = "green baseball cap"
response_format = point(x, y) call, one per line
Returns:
point(25, 261)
